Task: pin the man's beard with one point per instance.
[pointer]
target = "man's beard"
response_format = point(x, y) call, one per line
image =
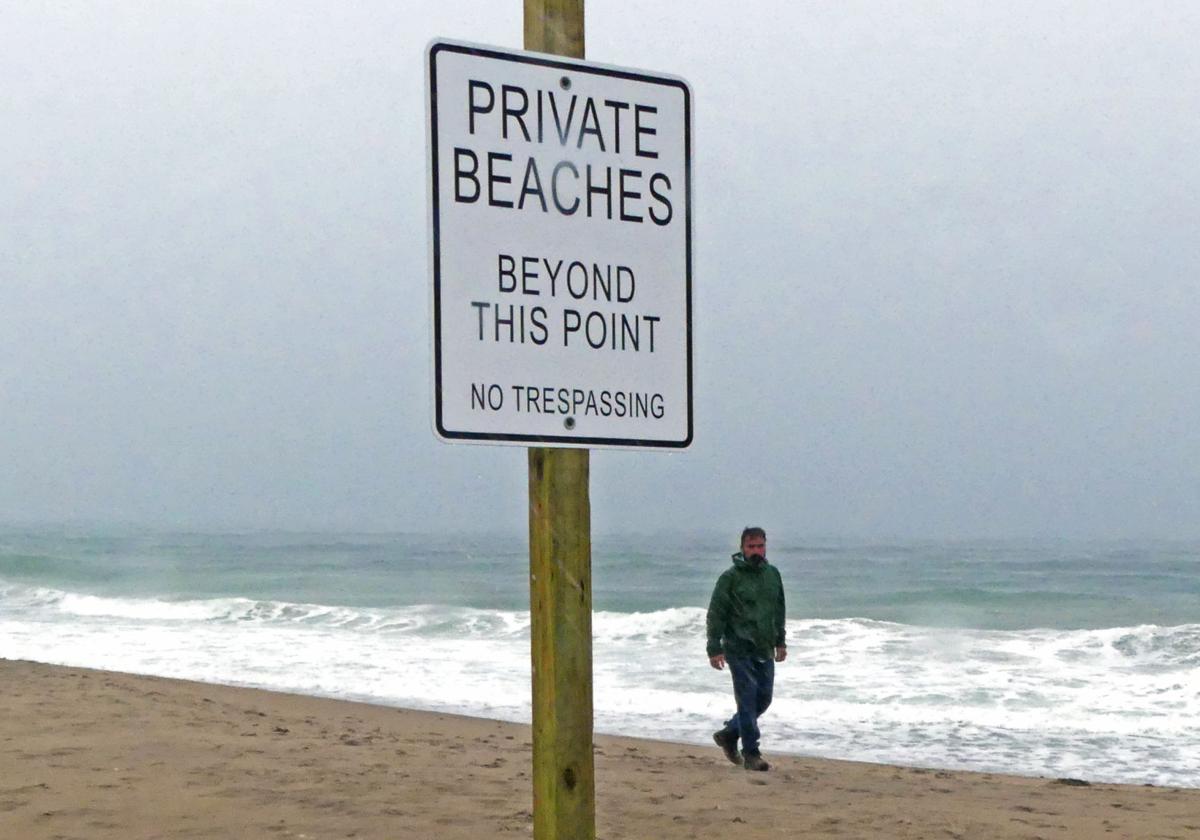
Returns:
point(756, 559)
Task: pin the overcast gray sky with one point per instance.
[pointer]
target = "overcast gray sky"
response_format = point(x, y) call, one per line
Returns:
point(947, 268)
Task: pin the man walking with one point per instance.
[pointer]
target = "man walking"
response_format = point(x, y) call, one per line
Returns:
point(746, 629)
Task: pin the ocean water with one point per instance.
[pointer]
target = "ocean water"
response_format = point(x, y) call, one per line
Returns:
point(1040, 658)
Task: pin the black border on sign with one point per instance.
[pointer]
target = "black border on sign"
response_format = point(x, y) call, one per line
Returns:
point(529, 58)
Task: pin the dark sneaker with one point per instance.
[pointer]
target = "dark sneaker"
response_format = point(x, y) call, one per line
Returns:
point(755, 762)
point(727, 741)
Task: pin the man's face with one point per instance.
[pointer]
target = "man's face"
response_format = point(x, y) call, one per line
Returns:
point(754, 545)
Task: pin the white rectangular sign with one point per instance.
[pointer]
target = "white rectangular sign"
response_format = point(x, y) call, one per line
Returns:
point(561, 205)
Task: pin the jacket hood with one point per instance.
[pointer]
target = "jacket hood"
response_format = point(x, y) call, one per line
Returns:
point(741, 562)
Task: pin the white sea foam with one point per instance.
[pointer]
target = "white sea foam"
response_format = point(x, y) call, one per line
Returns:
point(1116, 704)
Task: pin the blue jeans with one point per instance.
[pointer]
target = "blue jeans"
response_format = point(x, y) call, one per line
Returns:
point(753, 685)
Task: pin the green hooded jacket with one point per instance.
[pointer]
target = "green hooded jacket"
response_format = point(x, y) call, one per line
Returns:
point(746, 613)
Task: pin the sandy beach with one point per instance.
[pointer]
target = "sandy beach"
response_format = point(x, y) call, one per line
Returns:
point(95, 755)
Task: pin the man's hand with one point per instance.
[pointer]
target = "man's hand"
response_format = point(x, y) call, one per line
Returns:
point(780, 653)
point(717, 661)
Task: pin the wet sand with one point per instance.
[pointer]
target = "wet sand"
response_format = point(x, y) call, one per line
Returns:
point(96, 755)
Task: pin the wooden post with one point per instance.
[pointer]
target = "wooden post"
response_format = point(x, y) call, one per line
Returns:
point(560, 573)
point(560, 588)
point(554, 26)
